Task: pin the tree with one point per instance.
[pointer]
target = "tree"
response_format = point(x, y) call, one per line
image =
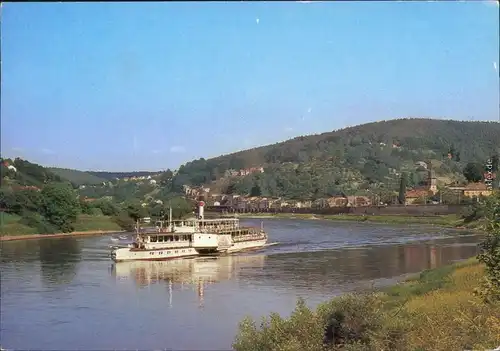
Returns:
point(402, 188)
point(255, 191)
point(473, 172)
point(107, 207)
point(158, 211)
point(135, 210)
point(60, 206)
point(9, 202)
point(180, 207)
point(86, 207)
point(490, 249)
point(494, 163)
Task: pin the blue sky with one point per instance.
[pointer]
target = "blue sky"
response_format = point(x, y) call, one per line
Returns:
point(146, 86)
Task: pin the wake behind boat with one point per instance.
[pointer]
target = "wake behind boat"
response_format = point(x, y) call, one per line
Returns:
point(189, 238)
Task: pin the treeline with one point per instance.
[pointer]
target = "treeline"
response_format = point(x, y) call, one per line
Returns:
point(351, 159)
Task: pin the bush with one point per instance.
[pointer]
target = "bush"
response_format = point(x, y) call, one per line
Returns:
point(350, 322)
point(299, 332)
point(35, 221)
point(472, 212)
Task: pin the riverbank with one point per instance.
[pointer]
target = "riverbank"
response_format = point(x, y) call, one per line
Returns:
point(452, 221)
point(436, 310)
point(12, 229)
point(57, 235)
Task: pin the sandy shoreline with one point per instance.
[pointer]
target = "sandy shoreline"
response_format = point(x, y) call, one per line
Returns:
point(57, 235)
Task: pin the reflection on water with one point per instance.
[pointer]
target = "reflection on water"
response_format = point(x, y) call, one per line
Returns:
point(198, 272)
point(66, 293)
point(59, 259)
point(337, 271)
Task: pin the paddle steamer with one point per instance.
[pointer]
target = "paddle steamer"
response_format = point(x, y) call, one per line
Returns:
point(189, 238)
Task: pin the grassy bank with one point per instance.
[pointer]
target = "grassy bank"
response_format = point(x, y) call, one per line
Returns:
point(436, 310)
point(88, 223)
point(11, 226)
point(443, 220)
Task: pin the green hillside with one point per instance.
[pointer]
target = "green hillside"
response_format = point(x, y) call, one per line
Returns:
point(26, 173)
point(352, 159)
point(77, 177)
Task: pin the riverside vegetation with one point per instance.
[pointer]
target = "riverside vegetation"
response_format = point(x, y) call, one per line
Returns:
point(456, 307)
point(35, 200)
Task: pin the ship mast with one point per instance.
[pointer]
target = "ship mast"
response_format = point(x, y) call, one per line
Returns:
point(170, 219)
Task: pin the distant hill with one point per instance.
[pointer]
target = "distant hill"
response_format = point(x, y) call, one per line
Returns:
point(77, 177)
point(19, 173)
point(120, 175)
point(350, 159)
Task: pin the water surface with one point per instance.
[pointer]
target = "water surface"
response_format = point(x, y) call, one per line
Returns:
point(65, 294)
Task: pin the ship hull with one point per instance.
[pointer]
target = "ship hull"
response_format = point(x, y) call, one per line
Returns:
point(127, 254)
point(247, 245)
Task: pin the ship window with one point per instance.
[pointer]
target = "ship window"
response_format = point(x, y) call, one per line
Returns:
point(176, 251)
point(154, 239)
point(183, 250)
point(168, 252)
point(176, 238)
point(160, 239)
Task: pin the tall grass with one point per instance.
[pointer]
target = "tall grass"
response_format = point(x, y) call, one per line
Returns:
point(88, 223)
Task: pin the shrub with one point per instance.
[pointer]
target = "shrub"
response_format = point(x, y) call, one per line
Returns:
point(349, 322)
point(472, 212)
point(299, 332)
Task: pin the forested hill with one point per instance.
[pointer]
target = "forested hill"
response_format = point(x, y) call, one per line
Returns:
point(369, 153)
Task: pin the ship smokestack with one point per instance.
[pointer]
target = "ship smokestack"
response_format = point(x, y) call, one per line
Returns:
point(201, 206)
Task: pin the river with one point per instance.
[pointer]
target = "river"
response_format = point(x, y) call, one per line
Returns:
point(65, 294)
